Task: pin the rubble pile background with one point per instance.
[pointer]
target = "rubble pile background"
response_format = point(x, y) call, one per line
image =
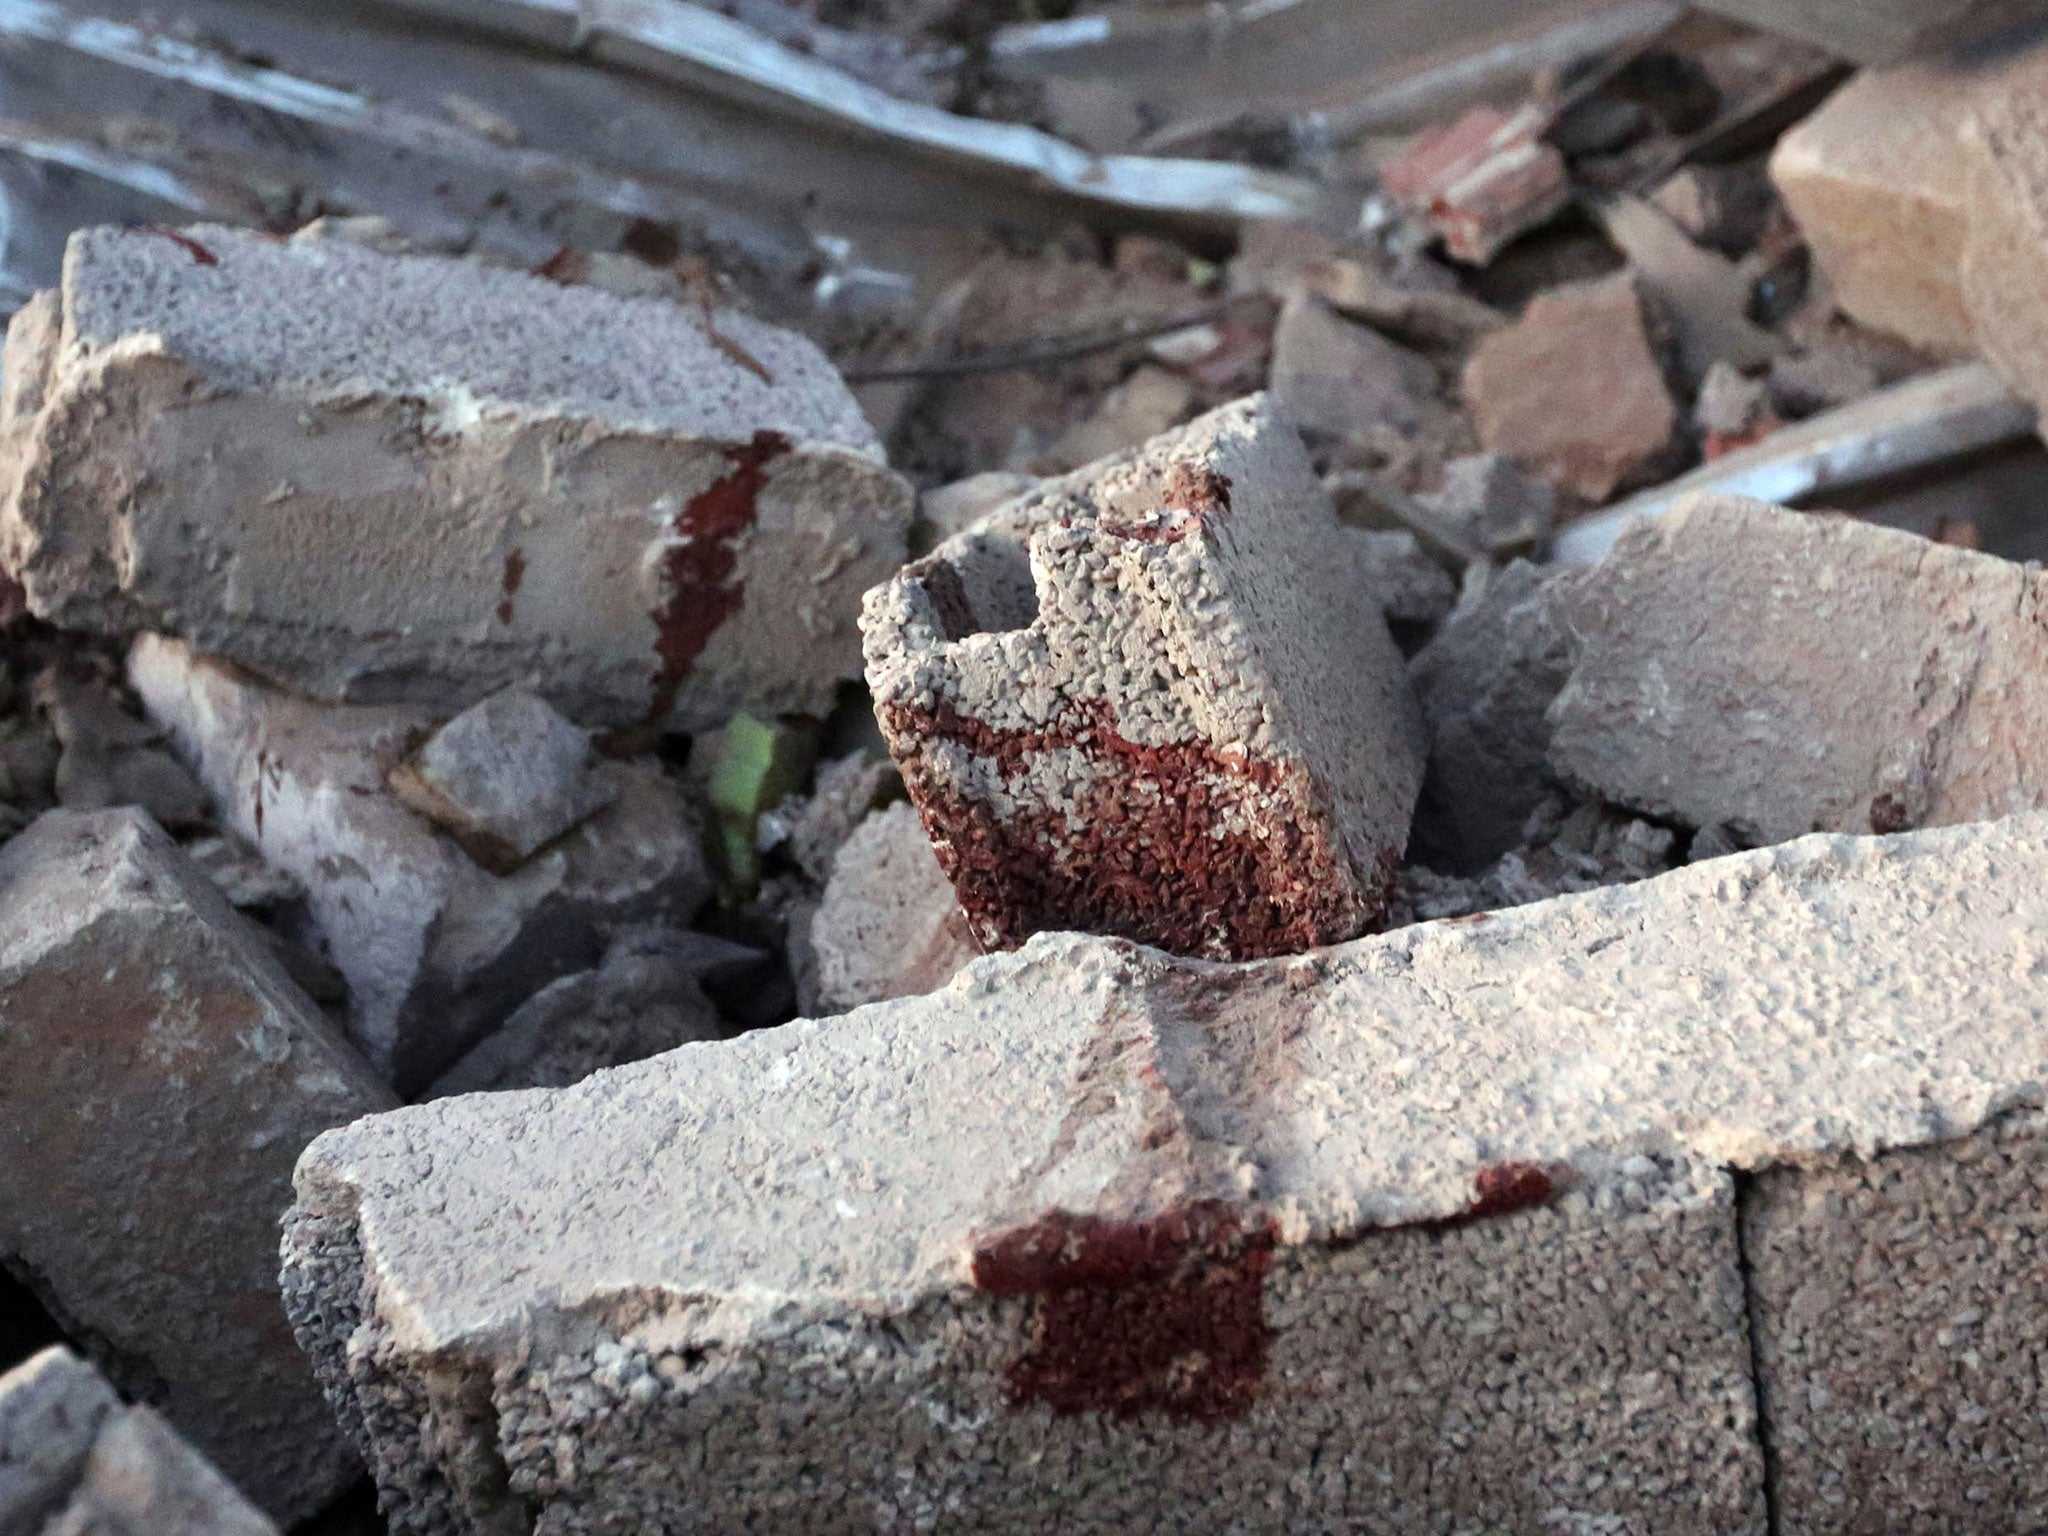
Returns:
point(541, 541)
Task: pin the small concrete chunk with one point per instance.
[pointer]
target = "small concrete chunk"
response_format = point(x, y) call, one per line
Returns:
point(436, 949)
point(387, 479)
point(1572, 390)
point(90, 1467)
point(1154, 698)
point(1431, 1231)
point(159, 1073)
point(2005, 262)
point(504, 777)
point(1336, 379)
point(1493, 503)
point(1900, 1335)
point(1786, 671)
point(889, 924)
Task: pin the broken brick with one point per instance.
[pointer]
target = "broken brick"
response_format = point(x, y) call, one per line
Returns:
point(1482, 180)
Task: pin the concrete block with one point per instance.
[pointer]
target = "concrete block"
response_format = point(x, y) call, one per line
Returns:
point(889, 924)
point(2005, 261)
point(1288, 1246)
point(1787, 672)
point(1902, 1335)
point(1878, 183)
point(1572, 391)
point(159, 1073)
point(504, 777)
point(386, 479)
point(435, 948)
point(1154, 698)
point(95, 1468)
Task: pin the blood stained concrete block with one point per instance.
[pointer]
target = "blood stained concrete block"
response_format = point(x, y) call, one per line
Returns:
point(387, 479)
point(1786, 672)
point(159, 1074)
point(1155, 698)
point(1435, 1230)
point(75, 1462)
point(435, 948)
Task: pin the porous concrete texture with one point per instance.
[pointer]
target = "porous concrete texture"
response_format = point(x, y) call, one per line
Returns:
point(504, 777)
point(1155, 698)
point(1900, 1337)
point(889, 924)
point(159, 1074)
point(1786, 672)
point(1435, 1230)
point(1485, 684)
point(435, 948)
point(1878, 182)
point(75, 1462)
point(386, 479)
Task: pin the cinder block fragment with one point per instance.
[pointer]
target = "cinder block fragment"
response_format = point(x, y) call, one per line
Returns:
point(435, 948)
point(74, 1462)
point(1786, 672)
point(159, 1073)
point(387, 478)
point(1902, 1336)
point(1878, 181)
point(1298, 1245)
point(1155, 698)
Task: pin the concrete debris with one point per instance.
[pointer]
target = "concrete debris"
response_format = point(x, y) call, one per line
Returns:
point(1787, 672)
point(1494, 504)
point(1705, 294)
point(1221, 1218)
point(1732, 411)
point(1149, 402)
point(816, 826)
point(436, 949)
point(1485, 685)
point(1417, 300)
point(1823, 379)
point(1255, 804)
point(1875, 31)
point(2005, 262)
point(240, 441)
point(503, 778)
point(1723, 207)
point(244, 876)
point(75, 1462)
point(1333, 378)
point(1564, 850)
point(110, 756)
point(955, 508)
point(644, 998)
point(1878, 183)
point(1572, 390)
point(1482, 180)
point(159, 1074)
point(1413, 591)
point(889, 924)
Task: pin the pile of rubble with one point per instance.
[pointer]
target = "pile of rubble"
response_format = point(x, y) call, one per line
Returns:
point(1243, 867)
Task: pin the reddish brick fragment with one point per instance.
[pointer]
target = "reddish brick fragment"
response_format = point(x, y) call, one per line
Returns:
point(1481, 180)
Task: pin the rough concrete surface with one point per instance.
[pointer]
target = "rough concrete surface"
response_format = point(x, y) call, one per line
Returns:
point(1878, 182)
point(889, 924)
point(1788, 672)
point(1431, 1231)
point(435, 948)
point(2004, 268)
point(159, 1073)
point(391, 478)
point(1155, 698)
point(75, 1462)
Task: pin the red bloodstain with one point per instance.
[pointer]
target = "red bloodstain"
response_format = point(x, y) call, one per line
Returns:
point(697, 568)
point(200, 253)
point(515, 572)
point(1129, 1317)
point(1142, 860)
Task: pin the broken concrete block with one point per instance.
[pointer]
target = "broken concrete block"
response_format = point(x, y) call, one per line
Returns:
point(1482, 180)
point(407, 479)
point(1899, 1334)
point(1287, 1246)
point(74, 1462)
point(504, 777)
point(1495, 505)
point(2005, 257)
point(1877, 180)
point(1485, 684)
point(1562, 852)
point(889, 925)
point(1176, 718)
point(1335, 378)
point(159, 1073)
point(1787, 672)
point(643, 999)
point(1412, 590)
point(435, 948)
point(1572, 390)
